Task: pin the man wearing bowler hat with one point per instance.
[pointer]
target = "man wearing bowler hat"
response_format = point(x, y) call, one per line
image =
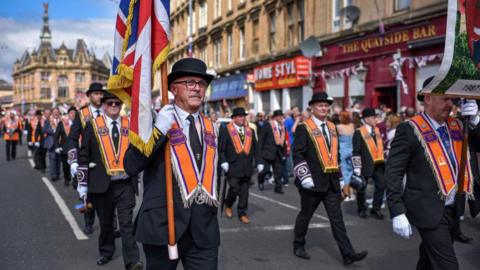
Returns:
point(238, 155)
point(316, 167)
point(273, 149)
point(193, 144)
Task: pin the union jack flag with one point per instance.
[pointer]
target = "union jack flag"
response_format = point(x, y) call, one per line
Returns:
point(142, 42)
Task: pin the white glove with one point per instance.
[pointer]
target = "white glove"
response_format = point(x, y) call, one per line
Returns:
point(73, 169)
point(82, 191)
point(37, 144)
point(25, 132)
point(470, 108)
point(308, 183)
point(30, 143)
point(260, 167)
point(165, 119)
point(342, 184)
point(224, 166)
point(58, 150)
point(92, 165)
point(357, 171)
point(401, 226)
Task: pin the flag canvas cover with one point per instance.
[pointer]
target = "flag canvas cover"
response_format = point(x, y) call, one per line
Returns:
point(459, 73)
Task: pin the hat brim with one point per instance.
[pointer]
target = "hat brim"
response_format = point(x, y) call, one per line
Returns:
point(89, 91)
point(183, 73)
point(329, 101)
point(239, 114)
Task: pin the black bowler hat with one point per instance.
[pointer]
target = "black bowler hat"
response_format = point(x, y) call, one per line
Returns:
point(108, 95)
point(239, 111)
point(72, 108)
point(367, 112)
point(277, 113)
point(320, 97)
point(95, 87)
point(38, 112)
point(421, 98)
point(189, 67)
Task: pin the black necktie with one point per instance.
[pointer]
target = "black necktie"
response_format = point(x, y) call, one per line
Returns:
point(195, 141)
point(98, 113)
point(242, 134)
point(374, 137)
point(115, 135)
point(325, 135)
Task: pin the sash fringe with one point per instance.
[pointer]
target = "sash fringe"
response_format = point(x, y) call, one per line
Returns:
point(145, 147)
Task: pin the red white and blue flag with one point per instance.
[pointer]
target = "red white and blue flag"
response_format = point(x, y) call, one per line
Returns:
point(142, 43)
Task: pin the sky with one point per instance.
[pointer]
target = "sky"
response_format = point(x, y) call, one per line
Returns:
point(21, 23)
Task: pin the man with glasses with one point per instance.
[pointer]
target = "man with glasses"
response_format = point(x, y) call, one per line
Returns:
point(193, 144)
point(104, 143)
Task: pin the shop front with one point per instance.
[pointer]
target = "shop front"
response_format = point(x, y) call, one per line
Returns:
point(228, 92)
point(375, 68)
point(282, 84)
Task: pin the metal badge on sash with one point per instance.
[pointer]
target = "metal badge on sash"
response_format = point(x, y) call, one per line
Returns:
point(200, 197)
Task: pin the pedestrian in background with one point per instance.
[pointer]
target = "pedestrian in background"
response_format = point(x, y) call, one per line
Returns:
point(49, 133)
point(393, 120)
point(345, 135)
point(61, 138)
point(11, 134)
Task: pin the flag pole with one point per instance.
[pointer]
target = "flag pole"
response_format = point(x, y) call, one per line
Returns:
point(172, 244)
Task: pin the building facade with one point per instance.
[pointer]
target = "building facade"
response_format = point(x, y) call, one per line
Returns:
point(50, 75)
point(6, 94)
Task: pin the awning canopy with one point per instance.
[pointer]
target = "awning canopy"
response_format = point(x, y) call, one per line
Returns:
point(229, 87)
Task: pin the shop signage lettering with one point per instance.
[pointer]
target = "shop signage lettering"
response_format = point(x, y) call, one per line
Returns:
point(282, 74)
point(370, 44)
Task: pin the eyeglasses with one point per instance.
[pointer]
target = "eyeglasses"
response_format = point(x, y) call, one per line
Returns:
point(192, 83)
point(113, 103)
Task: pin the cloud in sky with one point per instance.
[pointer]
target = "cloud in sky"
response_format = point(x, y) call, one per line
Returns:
point(20, 35)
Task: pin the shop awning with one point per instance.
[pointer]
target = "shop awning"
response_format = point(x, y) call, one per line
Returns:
point(229, 87)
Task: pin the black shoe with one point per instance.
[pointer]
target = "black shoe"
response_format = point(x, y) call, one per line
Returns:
point(104, 260)
point(462, 238)
point(362, 214)
point(301, 253)
point(377, 214)
point(88, 230)
point(66, 184)
point(117, 234)
point(354, 257)
point(54, 179)
point(42, 171)
point(279, 191)
point(135, 266)
point(261, 186)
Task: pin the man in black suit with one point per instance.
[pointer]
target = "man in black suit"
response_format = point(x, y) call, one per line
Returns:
point(316, 166)
point(104, 143)
point(61, 137)
point(237, 150)
point(369, 162)
point(428, 198)
point(195, 199)
point(273, 149)
point(92, 110)
point(40, 150)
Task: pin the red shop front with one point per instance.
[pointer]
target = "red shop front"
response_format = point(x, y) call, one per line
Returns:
point(375, 68)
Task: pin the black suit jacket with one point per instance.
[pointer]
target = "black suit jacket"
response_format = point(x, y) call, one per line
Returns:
point(240, 165)
point(61, 137)
point(304, 151)
point(360, 149)
point(269, 150)
point(420, 200)
point(151, 222)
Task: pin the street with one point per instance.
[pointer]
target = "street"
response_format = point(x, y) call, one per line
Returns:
point(40, 229)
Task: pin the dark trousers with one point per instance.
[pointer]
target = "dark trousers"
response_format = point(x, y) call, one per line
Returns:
point(11, 149)
point(238, 187)
point(40, 156)
point(277, 166)
point(65, 168)
point(121, 196)
point(54, 163)
point(379, 182)
point(309, 201)
point(436, 249)
point(192, 256)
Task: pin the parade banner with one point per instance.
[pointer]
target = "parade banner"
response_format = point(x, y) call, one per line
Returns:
point(459, 73)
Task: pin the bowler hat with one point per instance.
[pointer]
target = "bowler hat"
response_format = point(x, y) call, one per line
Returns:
point(95, 87)
point(189, 67)
point(72, 108)
point(367, 112)
point(239, 111)
point(108, 95)
point(38, 113)
point(420, 97)
point(277, 113)
point(320, 97)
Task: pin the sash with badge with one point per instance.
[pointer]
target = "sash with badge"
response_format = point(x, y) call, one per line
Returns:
point(278, 135)
point(11, 127)
point(66, 125)
point(375, 147)
point(33, 125)
point(85, 115)
point(241, 146)
point(112, 158)
point(196, 184)
point(328, 156)
point(444, 168)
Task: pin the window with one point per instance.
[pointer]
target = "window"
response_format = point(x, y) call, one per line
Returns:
point(217, 44)
point(80, 77)
point(193, 22)
point(203, 14)
point(301, 20)
point(336, 14)
point(45, 76)
point(45, 92)
point(255, 39)
point(230, 48)
point(272, 31)
point(63, 86)
point(402, 5)
point(202, 54)
point(290, 24)
point(241, 53)
point(229, 5)
point(218, 8)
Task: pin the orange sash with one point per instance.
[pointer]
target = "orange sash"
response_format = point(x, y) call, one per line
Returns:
point(237, 142)
point(375, 150)
point(328, 157)
point(444, 169)
point(85, 115)
point(279, 139)
point(112, 160)
point(66, 125)
point(11, 134)
point(33, 126)
point(196, 184)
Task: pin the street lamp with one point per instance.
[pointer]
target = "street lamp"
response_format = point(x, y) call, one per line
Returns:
point(361, 72)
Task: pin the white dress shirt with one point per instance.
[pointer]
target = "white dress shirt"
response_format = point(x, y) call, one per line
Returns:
point(319, 123)
point(109, 124)
point(185, 123)
point(93, 110)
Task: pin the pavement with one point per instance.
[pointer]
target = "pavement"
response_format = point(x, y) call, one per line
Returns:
point(40, 229)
